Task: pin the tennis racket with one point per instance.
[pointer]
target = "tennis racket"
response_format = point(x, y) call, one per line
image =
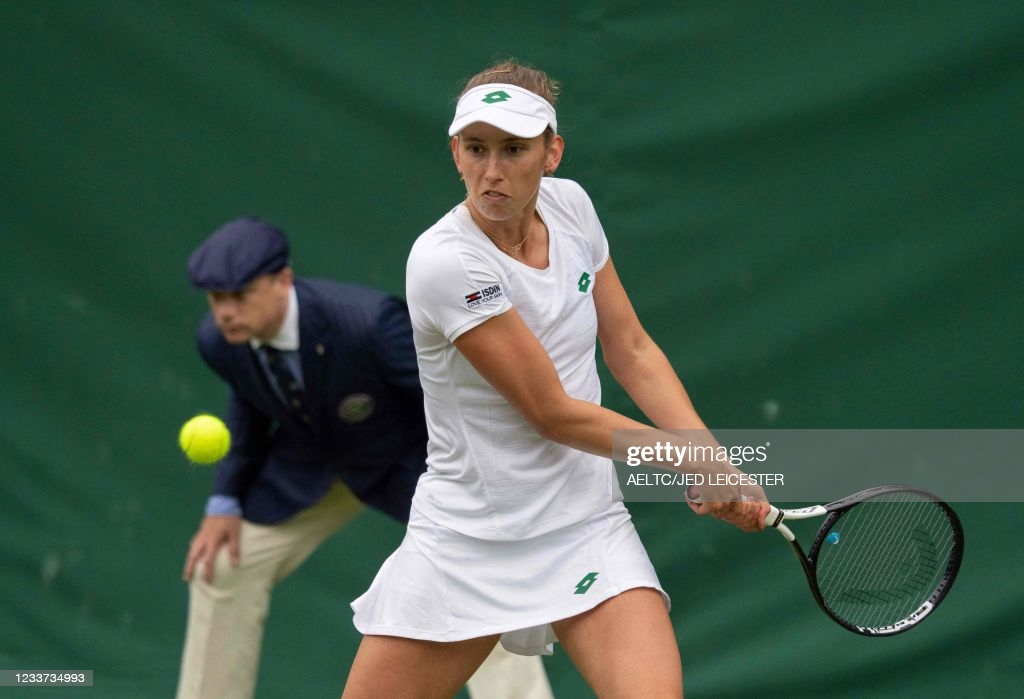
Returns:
point(883, 558)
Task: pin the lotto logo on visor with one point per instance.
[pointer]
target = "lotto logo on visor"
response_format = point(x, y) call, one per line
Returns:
point(486, 295)
point(510, 108)
point(496, 96)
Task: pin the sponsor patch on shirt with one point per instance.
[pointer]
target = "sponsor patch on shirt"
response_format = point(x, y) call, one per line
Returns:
point(485, 295)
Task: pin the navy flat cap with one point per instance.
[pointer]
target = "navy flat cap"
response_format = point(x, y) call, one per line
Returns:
point(236, 253)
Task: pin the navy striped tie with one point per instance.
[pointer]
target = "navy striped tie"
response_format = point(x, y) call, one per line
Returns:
point(287, 383)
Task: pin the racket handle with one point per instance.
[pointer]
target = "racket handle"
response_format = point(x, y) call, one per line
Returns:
point(774, 519)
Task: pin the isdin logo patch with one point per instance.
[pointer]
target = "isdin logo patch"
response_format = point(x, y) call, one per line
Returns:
point(496, 96)
point(482, 296)
point(583, 585)
point(584, 283)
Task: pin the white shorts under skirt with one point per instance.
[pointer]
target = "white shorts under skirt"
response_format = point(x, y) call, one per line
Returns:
point(441, 585)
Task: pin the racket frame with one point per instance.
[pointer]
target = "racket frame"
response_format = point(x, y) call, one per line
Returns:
point(832, 512)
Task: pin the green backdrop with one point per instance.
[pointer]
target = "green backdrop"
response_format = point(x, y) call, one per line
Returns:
point(817, 208)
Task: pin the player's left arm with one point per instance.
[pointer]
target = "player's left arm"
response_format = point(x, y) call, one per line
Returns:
point(636, 361)
point(646, 374)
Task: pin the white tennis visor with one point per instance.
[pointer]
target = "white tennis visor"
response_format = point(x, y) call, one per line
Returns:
point(508, 107)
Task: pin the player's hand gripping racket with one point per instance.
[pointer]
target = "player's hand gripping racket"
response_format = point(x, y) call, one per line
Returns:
point(883, 559)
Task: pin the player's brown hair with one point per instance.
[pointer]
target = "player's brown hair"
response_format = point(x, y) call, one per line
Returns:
point(512, 72)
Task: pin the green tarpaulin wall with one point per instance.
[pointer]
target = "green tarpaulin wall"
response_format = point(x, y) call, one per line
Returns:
point(816, 207)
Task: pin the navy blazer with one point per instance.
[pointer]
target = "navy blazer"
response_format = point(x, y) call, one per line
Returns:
point(365, 404)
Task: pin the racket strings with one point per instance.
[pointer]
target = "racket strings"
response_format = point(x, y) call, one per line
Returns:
point(892, 558)
point(892, 553)
point(903, 569)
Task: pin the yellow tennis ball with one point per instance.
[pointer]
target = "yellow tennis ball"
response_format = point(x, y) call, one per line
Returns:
point(204, 439)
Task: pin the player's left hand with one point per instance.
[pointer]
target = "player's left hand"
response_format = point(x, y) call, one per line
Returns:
point(747, 515)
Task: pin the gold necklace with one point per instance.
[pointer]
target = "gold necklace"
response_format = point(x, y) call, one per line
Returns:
point(513, 250)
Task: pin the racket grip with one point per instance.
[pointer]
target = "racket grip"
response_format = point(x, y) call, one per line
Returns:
point(774, 519)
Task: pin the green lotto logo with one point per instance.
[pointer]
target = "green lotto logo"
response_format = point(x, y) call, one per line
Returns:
point(496, 96)
point(584, 283)
point(583, 585)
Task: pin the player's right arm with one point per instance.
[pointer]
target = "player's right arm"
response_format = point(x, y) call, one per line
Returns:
point(507, 353)
point(511, 358)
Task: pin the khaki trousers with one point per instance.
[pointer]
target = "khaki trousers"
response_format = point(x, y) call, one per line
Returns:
point(226, 617)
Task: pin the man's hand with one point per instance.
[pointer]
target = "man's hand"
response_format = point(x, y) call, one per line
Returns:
point(214, 532)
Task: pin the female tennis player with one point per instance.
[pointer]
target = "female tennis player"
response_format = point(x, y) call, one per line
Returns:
point(518, 530)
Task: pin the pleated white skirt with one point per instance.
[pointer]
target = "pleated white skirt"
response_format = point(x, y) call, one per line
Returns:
point(441, 585)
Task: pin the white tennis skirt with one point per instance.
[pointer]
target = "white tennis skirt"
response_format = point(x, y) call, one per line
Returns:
point(441, 585)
